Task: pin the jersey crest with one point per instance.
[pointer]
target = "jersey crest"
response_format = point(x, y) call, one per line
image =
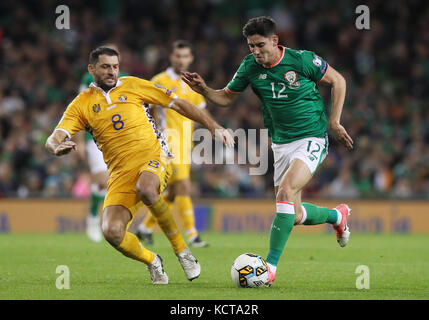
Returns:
point(292, 78)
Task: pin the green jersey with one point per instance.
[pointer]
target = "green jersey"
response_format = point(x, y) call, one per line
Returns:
point(292, 107)
point(84, 84)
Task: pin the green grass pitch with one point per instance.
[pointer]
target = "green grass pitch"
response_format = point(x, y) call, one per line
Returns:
point(312, 267)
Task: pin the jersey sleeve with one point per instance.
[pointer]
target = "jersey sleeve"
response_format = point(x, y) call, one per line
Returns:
point(199, 101)
point(153, 93)
point(313, 66)
point(72, 120)
point(240, 80)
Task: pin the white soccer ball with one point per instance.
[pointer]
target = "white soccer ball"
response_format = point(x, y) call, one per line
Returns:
point(249, 271)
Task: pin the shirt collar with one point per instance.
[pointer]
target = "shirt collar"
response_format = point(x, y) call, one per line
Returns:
point(93, 85)
point(173, 75)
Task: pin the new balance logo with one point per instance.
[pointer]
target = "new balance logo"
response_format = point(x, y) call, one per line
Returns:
point(263, 76)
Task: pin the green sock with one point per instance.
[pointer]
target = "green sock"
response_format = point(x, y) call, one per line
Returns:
point(319, 215)
point(95, 202)
point(279, 234)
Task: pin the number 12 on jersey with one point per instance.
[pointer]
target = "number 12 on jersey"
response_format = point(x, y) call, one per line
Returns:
point(280, 93)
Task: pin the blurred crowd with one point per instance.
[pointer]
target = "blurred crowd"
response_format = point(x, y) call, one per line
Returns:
point(386, 109)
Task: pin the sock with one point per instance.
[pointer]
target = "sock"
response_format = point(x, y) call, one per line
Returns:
point(162, 212)
point(132, 248)
point(96, 199)
point(149, 221)
point(186, 213)
point(95, 202)
point(280, 230)
point(312, 215)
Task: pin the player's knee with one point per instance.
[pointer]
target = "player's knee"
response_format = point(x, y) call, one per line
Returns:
point(113, 232)
point(147, 193)
point(286, 193)
point(183, 188)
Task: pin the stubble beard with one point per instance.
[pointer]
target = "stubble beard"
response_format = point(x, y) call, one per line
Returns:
point(103, 85)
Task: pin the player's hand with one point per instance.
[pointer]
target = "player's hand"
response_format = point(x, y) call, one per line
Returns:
point(340, 134)
point(65, 147)
point(194, 80)
point(225, 136)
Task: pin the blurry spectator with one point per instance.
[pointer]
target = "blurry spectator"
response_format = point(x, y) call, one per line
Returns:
point(6, 188)
point(343, 185)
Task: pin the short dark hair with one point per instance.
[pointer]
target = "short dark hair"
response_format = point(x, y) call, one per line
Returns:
point(264, 26)
point(93, 56)
point(180, 44)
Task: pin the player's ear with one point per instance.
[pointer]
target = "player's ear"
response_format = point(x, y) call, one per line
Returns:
point(275, 39)
point(91, 69)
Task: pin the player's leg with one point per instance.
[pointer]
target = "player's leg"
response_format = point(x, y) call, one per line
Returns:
point(288, 199)
point(99, 178)
point(148, 189)
point(145, 229)
point(148, 186)
point(116, 220)
point(183, 201)
point(313, 154)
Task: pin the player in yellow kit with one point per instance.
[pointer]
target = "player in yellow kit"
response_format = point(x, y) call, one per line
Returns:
point(179, 131)
point(113, 111)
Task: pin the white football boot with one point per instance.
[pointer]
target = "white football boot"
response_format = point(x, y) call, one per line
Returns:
point(189, 263)
point(156, 270)
point(342, 230)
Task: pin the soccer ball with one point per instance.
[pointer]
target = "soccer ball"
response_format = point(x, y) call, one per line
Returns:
point(249, 271)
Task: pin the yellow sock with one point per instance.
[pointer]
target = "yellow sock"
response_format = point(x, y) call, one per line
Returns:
point(186, 213)
point(150, 221)
point(162, 212)
point(132, 248)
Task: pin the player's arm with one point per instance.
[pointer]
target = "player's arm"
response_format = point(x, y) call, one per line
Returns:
point(338, 94)
point(79, 138)
point(188, 110)
point(221, 97)
point(58, 143)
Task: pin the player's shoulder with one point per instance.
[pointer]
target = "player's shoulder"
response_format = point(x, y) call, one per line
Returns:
point(296, 53)
point(300, 53)
point(248, 60)
point(82, 99)
point(132, 80)
point(248, 64)
point(162, 76)
point(300, 56)
point(84, 94)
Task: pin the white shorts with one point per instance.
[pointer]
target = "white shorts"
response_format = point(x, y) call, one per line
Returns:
point(312, 151)
point(95, 158)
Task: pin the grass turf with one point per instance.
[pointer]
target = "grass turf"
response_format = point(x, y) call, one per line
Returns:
point(312, 267)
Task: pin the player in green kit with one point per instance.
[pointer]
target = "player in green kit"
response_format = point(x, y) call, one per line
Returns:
point(97, 167)
point(285, 80)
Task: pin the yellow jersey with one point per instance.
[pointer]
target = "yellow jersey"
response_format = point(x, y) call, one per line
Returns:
point(178, 128)
point(119, 120)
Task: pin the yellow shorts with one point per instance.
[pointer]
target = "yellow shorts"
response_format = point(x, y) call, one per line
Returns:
point(121, 188)
point(179, 172)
